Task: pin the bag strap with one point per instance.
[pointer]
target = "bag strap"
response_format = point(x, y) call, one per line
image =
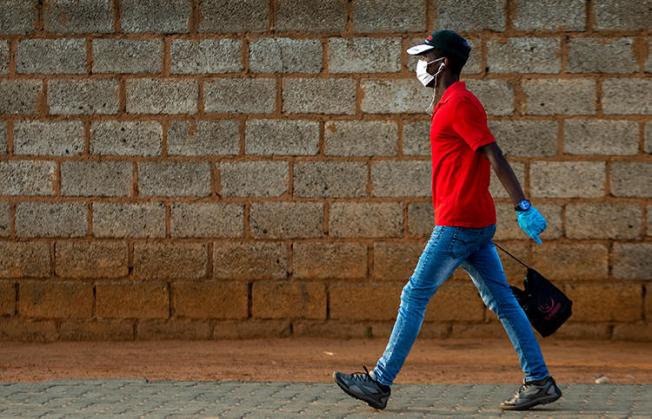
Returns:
point(514, 257)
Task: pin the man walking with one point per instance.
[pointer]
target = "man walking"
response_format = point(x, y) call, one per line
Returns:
point(463, 149)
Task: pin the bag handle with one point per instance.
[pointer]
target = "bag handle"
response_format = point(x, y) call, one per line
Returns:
point(514, 257)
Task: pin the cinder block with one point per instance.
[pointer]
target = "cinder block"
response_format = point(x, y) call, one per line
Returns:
point(627, 96)
point(207, 220)
point(42, 219)
point(567, 179)
point(496, 96)
point(360, 138)
point(83, 97)
point(401, 178)
point(377, 301)
point(210, 299)
point(396, 261)
point(565, 97)
point(471, 15)
point(240, 95)
point(129, 220)
point(621, 15)
point(631, 179)
point(394, 96)
point(639, 331)
point(27, 177)
point(78, 16)
point(159, 260)
point(202, 138)
point(90, 259)
point(285, 55)
point(416, 138)
point(20, 96)
point(326, 96)
point(165, 16)
point(617, 302)
point(250, 260)
point(250, 329)
point(389, 16)
point(581, 330)
point(524, 55)
point(4, 57)
point(254, 178)
point(24, 259)
point(550, 15)
point(206, 56)
point(127, 56)
point(24, 330)
point(587, 55)
point(421, 220)
point(132, 299)
point(332, 179)
point(18, 16)
point(311, 15)
point(286, 220)
point(102, 330)
point(126, 138)
point(525, 138)
point(7, 298)
point(55, 299)
point(162, 96)
point(603, 221)
point(333, 260)
point(604, 137)
point(3, 139)
point(281, 137)
point(51, 56)
point(278, 300)
point(52, 138)
point(632, 260)
point(331, 329)
point(174, 178)
point(576, 261)
point(455, 300)
point(234, 15)
point(5, 221)
point(362, 219)
point(158, 329)
point(96, 178)
point(364, 55)
point(647, 147)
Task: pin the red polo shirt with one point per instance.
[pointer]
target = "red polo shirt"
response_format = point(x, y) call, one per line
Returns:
point(460, 175)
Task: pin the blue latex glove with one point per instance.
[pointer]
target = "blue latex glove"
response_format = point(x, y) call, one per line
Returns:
point(532, 222)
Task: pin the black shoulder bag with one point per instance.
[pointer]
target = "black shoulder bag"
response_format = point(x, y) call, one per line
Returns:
point(544, 304)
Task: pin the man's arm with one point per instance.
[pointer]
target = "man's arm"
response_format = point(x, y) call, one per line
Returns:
point(503, 170)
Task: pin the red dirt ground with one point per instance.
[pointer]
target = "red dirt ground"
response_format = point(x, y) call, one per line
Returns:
point(314, 360)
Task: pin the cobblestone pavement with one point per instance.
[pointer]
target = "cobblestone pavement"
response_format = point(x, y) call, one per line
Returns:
point(233, 399)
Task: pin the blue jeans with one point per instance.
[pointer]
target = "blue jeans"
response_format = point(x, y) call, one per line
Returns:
point(471, 248)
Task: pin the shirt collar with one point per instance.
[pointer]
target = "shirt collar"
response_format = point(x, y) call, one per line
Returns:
point(450, 90)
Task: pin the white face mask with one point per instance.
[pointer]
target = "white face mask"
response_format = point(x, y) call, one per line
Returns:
point(425, 78)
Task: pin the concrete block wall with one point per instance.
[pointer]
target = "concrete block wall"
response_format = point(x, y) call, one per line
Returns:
point(199, 169)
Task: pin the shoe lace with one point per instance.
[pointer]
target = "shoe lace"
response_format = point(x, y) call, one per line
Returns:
point(362, 376)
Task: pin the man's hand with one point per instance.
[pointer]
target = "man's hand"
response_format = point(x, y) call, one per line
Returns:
point(532, 222)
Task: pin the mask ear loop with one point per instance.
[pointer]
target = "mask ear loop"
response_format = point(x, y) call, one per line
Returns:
point(429, 109)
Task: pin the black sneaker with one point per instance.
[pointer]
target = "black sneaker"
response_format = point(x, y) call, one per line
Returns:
point(363, 387)
point(532, 393)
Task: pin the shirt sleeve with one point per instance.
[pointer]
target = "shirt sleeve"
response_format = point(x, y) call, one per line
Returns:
point(470, 123)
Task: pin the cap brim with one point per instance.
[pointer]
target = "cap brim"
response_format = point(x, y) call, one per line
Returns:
point(418, 49)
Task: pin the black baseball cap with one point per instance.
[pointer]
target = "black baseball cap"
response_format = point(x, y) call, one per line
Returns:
point(448, 41)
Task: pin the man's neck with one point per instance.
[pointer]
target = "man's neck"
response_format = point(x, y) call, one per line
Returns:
point(446, 81)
